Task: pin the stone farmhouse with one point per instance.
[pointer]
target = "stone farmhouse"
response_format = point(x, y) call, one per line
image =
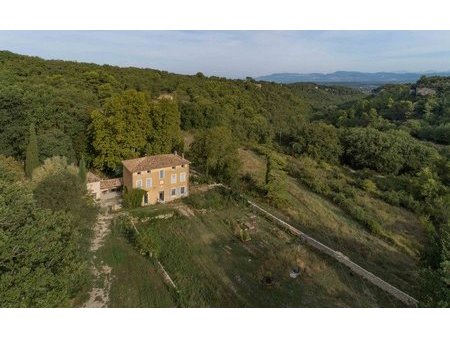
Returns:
point(164, 178)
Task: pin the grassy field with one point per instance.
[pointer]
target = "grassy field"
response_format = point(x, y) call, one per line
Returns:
point(395, 260)
point(201, 249)
point(136, 282)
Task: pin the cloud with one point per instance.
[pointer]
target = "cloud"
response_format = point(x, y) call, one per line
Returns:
point(241, 53)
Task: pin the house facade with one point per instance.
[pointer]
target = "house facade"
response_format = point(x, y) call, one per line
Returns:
point(163, 177)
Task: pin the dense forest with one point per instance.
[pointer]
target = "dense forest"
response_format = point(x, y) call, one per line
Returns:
point(55, 113)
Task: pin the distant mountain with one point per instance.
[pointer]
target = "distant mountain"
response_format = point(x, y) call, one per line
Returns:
point(343, 77)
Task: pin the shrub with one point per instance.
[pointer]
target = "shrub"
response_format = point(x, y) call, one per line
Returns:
point(124, 224)
point(369, 186)
point(133, 198)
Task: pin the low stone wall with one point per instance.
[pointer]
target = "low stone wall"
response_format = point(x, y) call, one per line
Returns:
point(339, 256)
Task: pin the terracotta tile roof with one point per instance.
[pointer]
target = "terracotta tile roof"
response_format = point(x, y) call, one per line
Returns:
point(154, 162)
point(112, 183)
point(92, 177)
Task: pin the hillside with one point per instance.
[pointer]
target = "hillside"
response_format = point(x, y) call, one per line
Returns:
point(421, 109)
point(368, 175)
point(199, 246)
point(59, 96)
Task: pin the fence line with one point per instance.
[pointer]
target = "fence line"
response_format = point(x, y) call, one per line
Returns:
point(339, 256)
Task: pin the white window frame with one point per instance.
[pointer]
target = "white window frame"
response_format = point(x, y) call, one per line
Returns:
point(139, 184)
point(149, 180)
point(171, 192)
point(163, 174)
point(182, 177)
point(182, 190)
point(173, 178)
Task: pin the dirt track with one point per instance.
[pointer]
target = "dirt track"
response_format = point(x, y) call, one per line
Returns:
point(99, 295)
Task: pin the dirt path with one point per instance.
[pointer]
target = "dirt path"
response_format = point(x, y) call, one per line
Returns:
point(99, 295)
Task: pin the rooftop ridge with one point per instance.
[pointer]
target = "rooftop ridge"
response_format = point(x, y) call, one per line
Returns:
point(154, 162)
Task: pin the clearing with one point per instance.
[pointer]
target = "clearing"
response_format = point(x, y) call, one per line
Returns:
point(202, 251)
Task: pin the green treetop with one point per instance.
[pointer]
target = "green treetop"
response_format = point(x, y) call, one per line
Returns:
point(32, 153)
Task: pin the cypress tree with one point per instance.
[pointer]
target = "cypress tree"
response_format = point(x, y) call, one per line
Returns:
point(32, 153)
point(82, 170)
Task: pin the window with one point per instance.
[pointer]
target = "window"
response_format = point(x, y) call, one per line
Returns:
point(149, 171)
point(182, 177)
point(182, 190)
point(149, 183)
point(174, 168)
point(139, 184)
point(139, 172)
point(173, 192)
point(161, 174)
point(173, 178)
point(182, 166)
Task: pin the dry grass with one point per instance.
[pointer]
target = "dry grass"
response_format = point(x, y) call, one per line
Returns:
point(253, 165)
point(213, 267)
point(394, 258)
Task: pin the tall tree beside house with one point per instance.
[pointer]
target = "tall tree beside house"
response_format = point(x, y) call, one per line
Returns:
point(166, 133)
point(120, 129)
point(32, 153)
point(214, 151)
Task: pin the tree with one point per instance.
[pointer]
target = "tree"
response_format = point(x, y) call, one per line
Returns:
point(32, 153)
point(120, 129)
point(54, 142)
point(52, 166)
point(43, 260)
point(214, 151)
point(82, 174)
point(318, 140)
point(401, 110)
point(61, 191)
point(10, 169)
point(387, 152)
point(165, 135)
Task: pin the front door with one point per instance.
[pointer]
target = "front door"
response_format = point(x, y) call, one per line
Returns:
point(146, 198)
point(161, 196)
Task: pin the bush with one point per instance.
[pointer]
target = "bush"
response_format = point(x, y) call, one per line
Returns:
point(217, 198)
point(125, 226)
point(369, 186)
point(133, 198)
point(276, 180)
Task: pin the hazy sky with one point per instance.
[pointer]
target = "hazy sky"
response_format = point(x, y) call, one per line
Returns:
point(242, 53)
